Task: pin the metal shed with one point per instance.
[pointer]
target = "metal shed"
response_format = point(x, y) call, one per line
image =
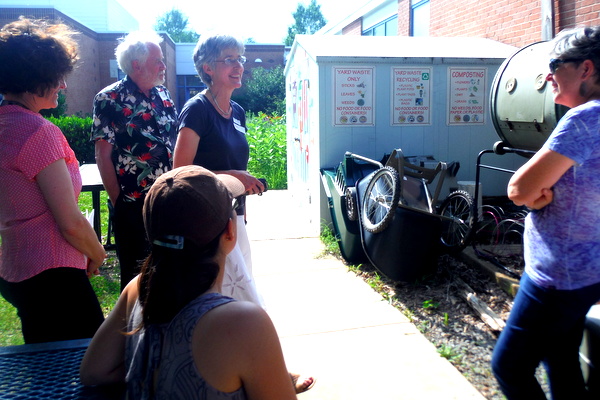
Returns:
point(369, 95)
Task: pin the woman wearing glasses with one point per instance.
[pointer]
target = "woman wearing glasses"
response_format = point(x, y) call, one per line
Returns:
point(212, 134)
point(561, 186)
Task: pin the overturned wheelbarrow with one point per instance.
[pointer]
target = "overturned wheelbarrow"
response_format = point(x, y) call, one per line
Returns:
point(387, 212)
point(399, 229)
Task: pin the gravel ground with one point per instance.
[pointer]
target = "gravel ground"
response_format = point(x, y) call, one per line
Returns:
point(437, 309)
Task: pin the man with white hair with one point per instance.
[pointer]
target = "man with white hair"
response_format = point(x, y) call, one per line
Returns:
point(135, 128)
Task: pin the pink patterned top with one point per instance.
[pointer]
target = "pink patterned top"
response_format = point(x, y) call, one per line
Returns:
point(31, 240)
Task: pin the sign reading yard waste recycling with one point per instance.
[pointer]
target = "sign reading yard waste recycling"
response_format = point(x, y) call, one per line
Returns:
point(411, 96)
point(353, 96)
point(466, 96)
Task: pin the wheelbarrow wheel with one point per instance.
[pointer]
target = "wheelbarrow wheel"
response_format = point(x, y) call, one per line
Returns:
point(459, 212)
point(381, 199)
point(351, 209)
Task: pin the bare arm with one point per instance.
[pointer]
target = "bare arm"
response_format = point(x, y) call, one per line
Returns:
point(532, 184)
point(104, 359)
point(107, 169)
point(185, 152)
point(266, 375)
point(57, 189)
point(185, 147)
point(237, 345)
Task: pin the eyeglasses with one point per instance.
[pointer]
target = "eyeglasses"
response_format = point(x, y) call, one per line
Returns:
point(231, 61)
point(557, 62)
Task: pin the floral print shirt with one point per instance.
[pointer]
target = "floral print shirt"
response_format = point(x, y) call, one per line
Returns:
point(142, 131)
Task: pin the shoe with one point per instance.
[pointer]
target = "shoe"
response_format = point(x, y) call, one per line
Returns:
point(303, 386)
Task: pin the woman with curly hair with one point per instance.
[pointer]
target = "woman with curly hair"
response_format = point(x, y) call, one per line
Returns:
point(48, 247)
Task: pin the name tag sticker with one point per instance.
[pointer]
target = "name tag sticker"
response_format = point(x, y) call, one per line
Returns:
point(239, 128)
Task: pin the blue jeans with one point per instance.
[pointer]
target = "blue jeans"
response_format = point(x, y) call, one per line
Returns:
point(545, 325)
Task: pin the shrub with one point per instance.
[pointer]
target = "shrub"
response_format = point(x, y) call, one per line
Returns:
point(268, 153)
point(77, 130)
point(264, 92)
point(266, 137)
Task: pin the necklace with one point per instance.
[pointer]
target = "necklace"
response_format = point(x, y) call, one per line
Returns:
point(225, 114)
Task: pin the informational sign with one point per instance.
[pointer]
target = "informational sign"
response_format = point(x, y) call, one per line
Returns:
point(411, 96)
point(353, 96)
point(466, 95)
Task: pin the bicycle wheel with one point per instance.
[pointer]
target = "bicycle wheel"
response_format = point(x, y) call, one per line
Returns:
point(380, 200)
point(458, 224)
point(351, 210)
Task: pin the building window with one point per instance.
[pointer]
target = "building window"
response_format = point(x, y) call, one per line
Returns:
point(389, 27)
point(115, 71)
point(187, 87)
point(419, 17)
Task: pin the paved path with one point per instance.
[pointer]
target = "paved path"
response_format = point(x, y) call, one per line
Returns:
point(332, 325)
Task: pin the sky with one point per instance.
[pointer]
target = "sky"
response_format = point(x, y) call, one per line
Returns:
point(265, 21)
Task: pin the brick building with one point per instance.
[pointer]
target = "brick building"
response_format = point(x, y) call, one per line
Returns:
point(514, 22)
point(100, 24)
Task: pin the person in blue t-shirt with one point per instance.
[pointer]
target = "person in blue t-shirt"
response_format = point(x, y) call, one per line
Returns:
point(561, 186)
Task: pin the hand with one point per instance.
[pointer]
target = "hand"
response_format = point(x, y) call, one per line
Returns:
point(546, 198)
point(251, 184)
point(258, 188)
point(93, 266)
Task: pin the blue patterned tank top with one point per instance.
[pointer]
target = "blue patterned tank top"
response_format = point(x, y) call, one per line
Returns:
point(159, 358)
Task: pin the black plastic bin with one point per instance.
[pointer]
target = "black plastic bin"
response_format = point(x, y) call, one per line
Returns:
point(346, 231)
point(408, 248)
point(336, 183)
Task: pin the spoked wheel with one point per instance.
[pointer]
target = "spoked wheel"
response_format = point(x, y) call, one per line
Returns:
point(351, 209)
point(458, 224)
point(381, 199)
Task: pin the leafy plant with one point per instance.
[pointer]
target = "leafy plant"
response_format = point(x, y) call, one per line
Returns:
point(329, 240)
point(446, 319)
point(77, 130)
point(268, 152)
point(423, 327)
point(430, 304)
point(448, 352)
point(264, 92)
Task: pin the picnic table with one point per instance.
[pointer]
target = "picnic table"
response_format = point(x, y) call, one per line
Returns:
point(49, 371)
point(92, 182)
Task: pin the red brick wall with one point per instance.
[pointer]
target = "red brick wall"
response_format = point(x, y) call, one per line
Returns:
point(81, 82)
point(270, 55)
point(92, 72)
point(353, 28)
point(514, 22)
point(571, 13)
point(403, 17)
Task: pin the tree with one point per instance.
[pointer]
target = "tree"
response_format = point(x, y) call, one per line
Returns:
point(175, 23)
point(308, 21)
point(264, 92)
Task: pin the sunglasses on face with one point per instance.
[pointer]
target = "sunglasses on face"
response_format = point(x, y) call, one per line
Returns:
point(557, 62)
point(230, 61)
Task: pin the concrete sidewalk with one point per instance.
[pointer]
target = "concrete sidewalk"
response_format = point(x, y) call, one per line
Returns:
point(332, 325)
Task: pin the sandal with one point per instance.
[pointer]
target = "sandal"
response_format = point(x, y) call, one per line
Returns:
point(302, 387)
